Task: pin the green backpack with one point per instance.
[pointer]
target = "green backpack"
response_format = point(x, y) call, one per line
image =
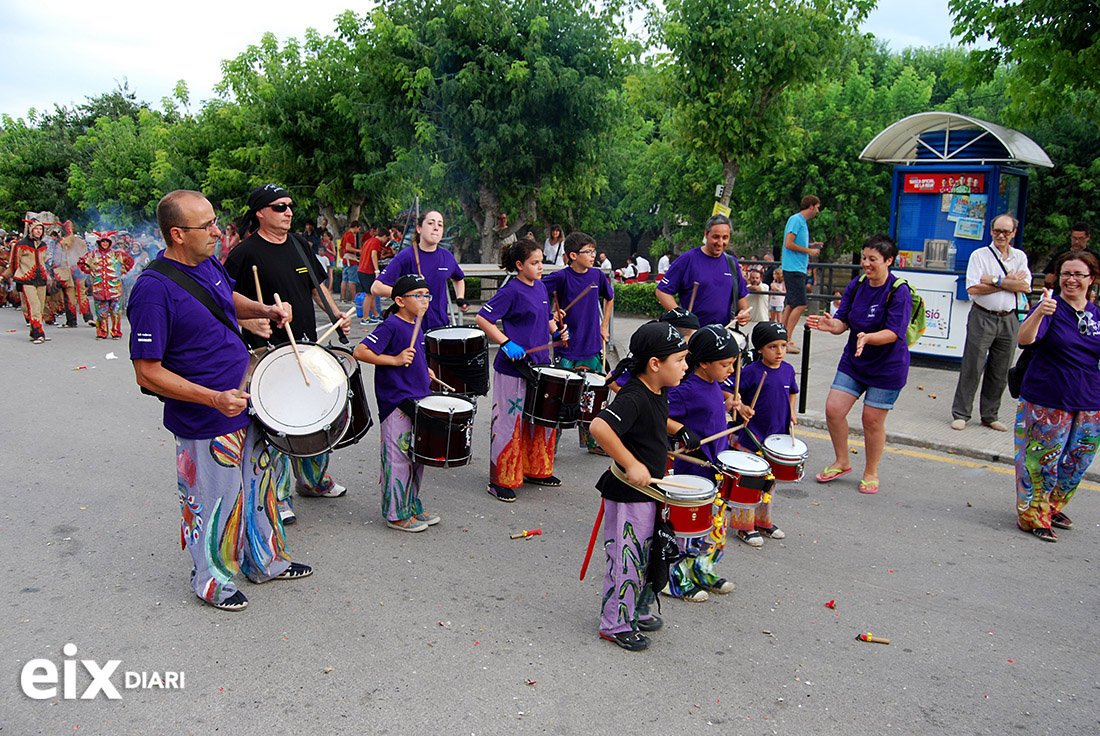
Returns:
point(917, 322)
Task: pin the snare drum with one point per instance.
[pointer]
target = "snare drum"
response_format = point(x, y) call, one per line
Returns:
point(553, 399)
point(747, 477)
point(594, 397)
point(459, 356)
point(443, 426)
point(746, 480)
point(691, 513)
point(787, 456)
point(300, 420)
point(361, 418)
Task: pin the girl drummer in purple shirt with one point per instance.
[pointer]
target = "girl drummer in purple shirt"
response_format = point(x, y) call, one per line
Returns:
point(401, 373)
point(520, 451)
point(875, 360)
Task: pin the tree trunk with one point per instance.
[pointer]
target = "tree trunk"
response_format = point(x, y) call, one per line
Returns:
point(730, 170)
point(328, 218)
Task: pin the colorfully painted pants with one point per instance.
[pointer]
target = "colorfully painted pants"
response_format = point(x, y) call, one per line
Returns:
point(227, 489)
point(400, 477)
point(518, 448)
point(1054, 448)
point(627, 529)
point(108, 318)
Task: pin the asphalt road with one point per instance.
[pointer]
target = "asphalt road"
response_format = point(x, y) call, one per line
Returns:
point(460, 630)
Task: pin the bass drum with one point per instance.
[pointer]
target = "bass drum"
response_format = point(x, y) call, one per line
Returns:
point(361, 418)
point(297, 419)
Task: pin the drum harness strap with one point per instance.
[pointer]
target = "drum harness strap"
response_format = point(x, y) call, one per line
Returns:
point(295, 241)
point(650, 491)
point(165, 268)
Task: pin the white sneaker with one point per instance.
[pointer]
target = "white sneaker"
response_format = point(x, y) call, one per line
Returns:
point(286, 513)
point(753, 538)
point(336, 491)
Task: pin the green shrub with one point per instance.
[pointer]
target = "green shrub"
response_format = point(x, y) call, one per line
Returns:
point(473, 288)
point(638, 299)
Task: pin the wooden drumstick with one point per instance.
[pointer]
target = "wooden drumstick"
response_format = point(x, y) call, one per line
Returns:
point(547, 346)
point(416, 237)
point(327, 333)
point(792, 433)
point(694, 290)
point(672, 484)
point(737, 376)
point(712, 438)
point(293, 344)
point(578, 297)
point(452, 389)
point(758, 387)
point(256, 276)
point(690, 459)
point(416, 329)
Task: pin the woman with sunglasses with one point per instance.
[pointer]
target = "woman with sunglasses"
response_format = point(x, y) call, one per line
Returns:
point(1058, 420)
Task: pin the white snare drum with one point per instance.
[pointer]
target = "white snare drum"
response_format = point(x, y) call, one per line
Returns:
point(787, 456)
point(300, 420)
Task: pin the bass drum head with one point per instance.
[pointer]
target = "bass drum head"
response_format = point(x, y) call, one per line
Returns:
point(281, 400)
point(347, 360)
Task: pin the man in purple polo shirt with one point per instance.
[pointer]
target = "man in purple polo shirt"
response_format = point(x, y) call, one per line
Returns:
point(184, 353)
point(718, 275)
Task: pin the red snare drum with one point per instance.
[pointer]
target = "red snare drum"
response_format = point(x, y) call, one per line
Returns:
point(787, 456)
point(553, 399)
point(593, 397)
point(442, 435)
point(746, 479)
point(691, 512)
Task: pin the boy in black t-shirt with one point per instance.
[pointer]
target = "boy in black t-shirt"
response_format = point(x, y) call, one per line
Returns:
point(633, 430)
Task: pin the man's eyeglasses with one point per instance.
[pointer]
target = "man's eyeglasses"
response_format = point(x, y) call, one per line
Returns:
point(1006, 233)
point(1074, 275)
point(205, 226)
point(281, 206)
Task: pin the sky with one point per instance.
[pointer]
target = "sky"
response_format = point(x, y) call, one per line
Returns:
point(62, 51)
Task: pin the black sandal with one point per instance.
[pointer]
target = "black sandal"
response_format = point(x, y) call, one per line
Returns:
point(1047, 535)
point(295, 571)
point(633, 641)
point(1060, 520)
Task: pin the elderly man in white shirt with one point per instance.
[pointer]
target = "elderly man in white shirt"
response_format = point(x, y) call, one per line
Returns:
point(996, 276)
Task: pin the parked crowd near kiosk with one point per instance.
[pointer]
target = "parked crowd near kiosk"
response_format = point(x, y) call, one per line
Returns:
point(698, 421)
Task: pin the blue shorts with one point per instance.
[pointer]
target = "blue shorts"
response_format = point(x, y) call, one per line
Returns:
point(878, 398)
point(795, 281)
point(351, 274)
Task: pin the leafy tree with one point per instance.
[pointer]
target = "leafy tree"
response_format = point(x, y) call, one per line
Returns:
point(1051, 46)
point(34, 164)
point(502, 97)
point(732, 66)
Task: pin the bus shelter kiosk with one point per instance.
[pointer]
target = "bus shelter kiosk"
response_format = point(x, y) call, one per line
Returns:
point(953, 175)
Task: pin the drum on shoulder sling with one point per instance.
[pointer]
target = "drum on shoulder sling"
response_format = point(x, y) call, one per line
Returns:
point(442, 434)
point(297, 419)
point(691, 512)
point(459, 357)
point(787, 456)
point(361, 418)
point(553, 398)
point(746, 478)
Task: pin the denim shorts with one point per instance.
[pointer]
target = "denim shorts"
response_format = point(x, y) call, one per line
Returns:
point(350, 274)
point(878, 398)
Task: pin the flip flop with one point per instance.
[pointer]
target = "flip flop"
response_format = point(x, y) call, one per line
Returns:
point(828, 475)
point(868, 486)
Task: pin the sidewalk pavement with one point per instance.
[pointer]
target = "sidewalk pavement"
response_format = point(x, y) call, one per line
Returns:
point(921, 417)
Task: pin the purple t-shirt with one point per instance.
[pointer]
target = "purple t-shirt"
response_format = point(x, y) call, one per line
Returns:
point(583, 319)
point(699, 405)
point(863, 307)
point(395, 383)
point(712, 300)
point(437, 268)
point(524, 313)
point(170, 325)
point(1064, 373)
point(773, 408)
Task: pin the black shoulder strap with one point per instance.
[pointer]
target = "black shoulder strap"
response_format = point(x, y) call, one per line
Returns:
point(294, 242)
point(998, 257)
point(165, 268)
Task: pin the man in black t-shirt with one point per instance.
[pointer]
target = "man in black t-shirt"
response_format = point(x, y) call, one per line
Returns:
point(283, 266)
